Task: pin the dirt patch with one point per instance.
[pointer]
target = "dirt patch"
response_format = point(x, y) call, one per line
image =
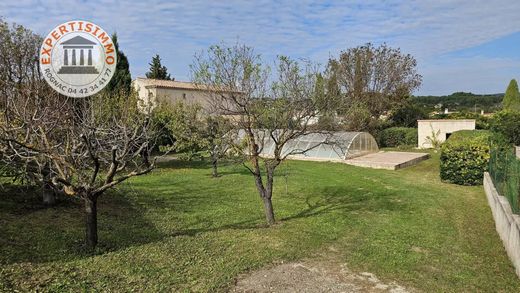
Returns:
point(313, 276)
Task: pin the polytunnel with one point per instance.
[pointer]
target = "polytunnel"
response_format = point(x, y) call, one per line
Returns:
point(336, 146)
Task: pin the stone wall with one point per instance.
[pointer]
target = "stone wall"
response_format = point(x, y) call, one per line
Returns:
point(507, 224)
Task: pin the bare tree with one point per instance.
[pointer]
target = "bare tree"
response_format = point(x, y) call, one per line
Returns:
point(74, 147)
point(77, 147)
point(275, 110)
point(371, 81)
point(19, 74)
point(218, 136)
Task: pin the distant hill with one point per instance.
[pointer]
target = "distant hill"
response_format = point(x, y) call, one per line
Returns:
point(461, 101)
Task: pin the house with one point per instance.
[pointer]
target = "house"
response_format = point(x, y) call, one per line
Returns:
point(154, 91)
point(440, 130)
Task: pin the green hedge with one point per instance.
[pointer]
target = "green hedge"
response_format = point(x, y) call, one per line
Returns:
point(465, 157)
point(398, 136)
point(507, 123)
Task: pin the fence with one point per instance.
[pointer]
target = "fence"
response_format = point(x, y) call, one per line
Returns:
point(504, 168)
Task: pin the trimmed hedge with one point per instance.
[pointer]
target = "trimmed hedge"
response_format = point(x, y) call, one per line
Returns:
point(398, 136)
point(507, 123)
point(465, 157)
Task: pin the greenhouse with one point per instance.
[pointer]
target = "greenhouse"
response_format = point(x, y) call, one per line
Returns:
point(336, 146)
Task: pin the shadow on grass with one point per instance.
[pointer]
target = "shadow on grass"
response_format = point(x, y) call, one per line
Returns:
point(32, 232)
point(224, 167)
point(343, 200)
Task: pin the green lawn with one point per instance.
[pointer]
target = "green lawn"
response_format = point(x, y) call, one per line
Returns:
point(178, 229)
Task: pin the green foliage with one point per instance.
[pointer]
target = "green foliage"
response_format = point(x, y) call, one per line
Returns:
point(461, 101)
point(183, 126)
point(121, 82)
point(187, 131)
point(157, 70)
point(369, 81)
point(507, 123)
point(407, 115)
point(465, 157)
point(512, 97)
point(327, 102)
point(359, 118)
point(162, 115)
point(398, 136)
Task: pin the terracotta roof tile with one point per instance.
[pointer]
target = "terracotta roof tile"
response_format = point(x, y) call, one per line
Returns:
point(172, 84)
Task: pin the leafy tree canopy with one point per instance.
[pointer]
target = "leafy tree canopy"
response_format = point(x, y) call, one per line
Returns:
point(371, 81)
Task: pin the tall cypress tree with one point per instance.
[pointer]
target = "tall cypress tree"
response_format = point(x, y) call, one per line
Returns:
point(512, 97)
point(122, 80)
point(157, 70)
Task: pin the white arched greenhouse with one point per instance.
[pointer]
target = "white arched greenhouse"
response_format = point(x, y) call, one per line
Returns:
point(336, 146)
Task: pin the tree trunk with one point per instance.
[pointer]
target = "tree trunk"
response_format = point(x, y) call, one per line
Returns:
point(49, 198)
point(268, 195)
point(269, 212)
point(48, 195)
point(91, 236)
point(214, 162)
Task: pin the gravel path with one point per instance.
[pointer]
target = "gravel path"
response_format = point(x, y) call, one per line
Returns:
point(313, 276)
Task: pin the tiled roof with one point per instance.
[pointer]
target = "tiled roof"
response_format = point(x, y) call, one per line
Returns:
point(172, 84)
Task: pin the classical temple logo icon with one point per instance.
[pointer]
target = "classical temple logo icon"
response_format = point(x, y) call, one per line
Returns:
point(77, 56)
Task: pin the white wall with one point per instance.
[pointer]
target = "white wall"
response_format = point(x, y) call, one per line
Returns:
point(188, 96)
point(146, 95)
point(507, 224)
point(441, 128)
point(151, 95)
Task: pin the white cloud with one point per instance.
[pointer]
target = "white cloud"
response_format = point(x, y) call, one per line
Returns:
point(314, 29)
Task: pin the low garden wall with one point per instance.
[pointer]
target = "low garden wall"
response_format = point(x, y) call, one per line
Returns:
point(507, 224)
point(518, 151)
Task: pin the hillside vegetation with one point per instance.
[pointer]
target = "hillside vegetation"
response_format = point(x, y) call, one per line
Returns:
point(461, 101)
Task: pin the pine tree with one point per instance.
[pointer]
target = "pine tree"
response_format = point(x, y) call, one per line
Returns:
point(157, 70)
point(512, 97)
point(122, 80)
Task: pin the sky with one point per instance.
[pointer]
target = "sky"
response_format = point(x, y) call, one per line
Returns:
point(460, 45)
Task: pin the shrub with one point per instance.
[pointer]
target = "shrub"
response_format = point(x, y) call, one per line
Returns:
point(507, 123)
point(398, 136)
point(407, 115)
point(465, 157)
point(512, 97)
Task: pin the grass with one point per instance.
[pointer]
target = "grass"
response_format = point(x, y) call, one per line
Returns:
point(178, 229)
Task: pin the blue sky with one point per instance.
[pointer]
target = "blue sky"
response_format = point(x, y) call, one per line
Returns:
point(460, 45)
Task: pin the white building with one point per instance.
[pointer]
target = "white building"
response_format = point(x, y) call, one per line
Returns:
point(153, 91)
point(440, 130)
